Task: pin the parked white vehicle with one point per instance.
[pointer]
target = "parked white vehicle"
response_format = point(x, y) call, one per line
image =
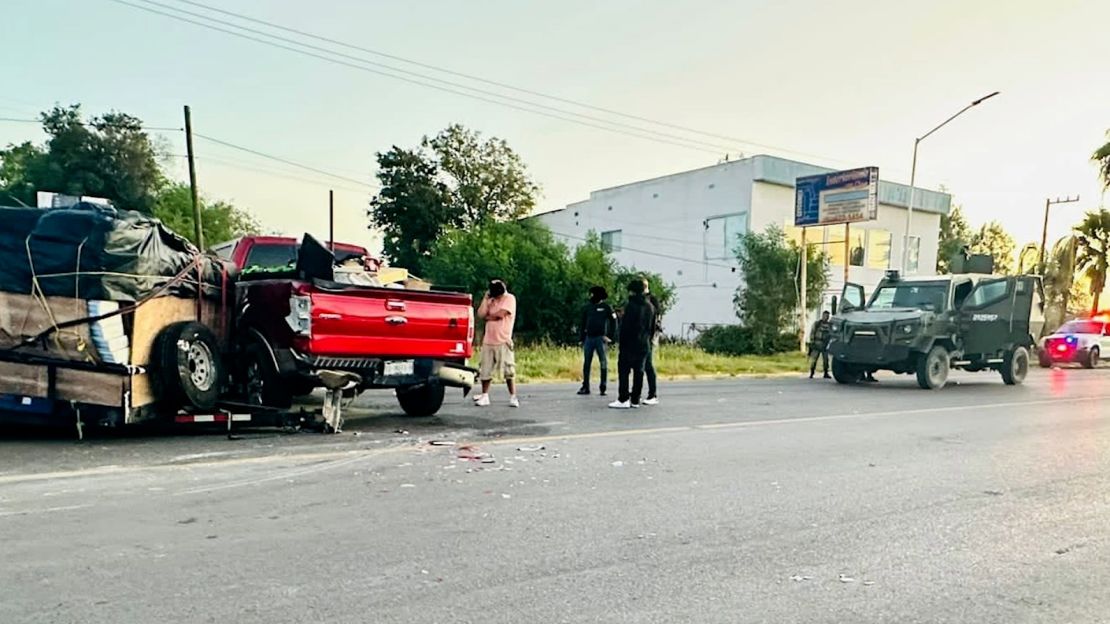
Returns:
point(1082, 341)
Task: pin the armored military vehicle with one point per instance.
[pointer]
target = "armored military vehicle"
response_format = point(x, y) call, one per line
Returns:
point(926, 326)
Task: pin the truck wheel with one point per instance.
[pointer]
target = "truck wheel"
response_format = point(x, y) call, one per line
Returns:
point(932, 369)
point(1092, 358)
point(1015, 366)
point(421, 401)
point(264, 386)
point(187, 370)
point(845, 373)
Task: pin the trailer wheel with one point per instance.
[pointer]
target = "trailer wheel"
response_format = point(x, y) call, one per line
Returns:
point(188, 370)
point(421, 401)
point(264, 387)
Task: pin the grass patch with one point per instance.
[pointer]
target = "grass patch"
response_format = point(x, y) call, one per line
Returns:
point(547, 363)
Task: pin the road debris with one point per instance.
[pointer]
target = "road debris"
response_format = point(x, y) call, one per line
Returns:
point(506, 496)
point(401, 431)
point(407, 485)
point(441, 442)
point(844, 578)
point(797, 578)
point(617, 464)
point(530, 448)
point(869, 583)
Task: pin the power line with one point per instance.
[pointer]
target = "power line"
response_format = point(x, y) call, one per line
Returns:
point(641, 133)
point(653, 253)
point(276, 173)
point(94, 125)
point(282, 160)
point(494, 82)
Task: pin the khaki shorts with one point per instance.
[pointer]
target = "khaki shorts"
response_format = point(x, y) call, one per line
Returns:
point(496, 359)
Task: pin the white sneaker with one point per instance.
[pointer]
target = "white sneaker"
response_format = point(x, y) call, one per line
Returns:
point(513, 401)
point(482, 401)
point(620, 405)
point(635, 406)
point(478, 397)
point(651, 401)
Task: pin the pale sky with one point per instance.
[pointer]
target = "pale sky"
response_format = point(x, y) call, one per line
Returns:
point(838, 83)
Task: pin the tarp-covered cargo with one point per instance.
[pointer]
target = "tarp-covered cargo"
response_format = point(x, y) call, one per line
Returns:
point(99, 253)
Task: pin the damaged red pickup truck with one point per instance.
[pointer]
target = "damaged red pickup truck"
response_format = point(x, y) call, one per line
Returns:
point(291, 328)
point(111, 319)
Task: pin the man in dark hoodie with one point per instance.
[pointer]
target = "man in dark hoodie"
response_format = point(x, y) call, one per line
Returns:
point(596, 331)
point(637, 326)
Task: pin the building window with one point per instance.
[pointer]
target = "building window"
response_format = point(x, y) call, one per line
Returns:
point(722, 235)
point(856, 247)
point(834, 244)
point(913, 257)
point(611, 240)
point(878, 249)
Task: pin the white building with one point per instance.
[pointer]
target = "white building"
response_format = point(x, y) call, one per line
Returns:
point(685, 227)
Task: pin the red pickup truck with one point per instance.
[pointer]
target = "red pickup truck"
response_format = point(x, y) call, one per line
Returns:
point(289, 328)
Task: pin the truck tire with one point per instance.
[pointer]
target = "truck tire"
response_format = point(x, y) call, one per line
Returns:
point(845, 373)
point(932, 369)
point(1091, 361)
point(422, 400)
point(1015, 366)
point(187, 369)
point(262, 384)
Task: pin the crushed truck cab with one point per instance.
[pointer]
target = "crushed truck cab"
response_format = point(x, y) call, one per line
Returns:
point(926, 326)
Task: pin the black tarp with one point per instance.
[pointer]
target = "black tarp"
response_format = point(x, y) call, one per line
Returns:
point(97, 252)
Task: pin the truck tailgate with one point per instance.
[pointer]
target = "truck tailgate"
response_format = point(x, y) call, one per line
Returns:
point(382, 322)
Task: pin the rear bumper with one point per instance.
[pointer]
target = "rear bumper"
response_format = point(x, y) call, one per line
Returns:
point(1073, 355)
point(374, 374)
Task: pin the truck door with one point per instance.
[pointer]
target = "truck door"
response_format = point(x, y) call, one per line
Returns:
point(987, 315)
point(851, 298)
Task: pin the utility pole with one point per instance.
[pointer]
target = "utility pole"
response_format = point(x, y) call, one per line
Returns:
point(1044, 229)
point(331, 221)
point(803, 294)
point(198, 229)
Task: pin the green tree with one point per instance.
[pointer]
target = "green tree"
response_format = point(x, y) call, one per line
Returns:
point(767, 301)
point(412, 209)
point(991, 239)
point(222, 221)
point(455, 179)
point(486, 178)
point(549, 280)
point(1094, 251)
point(955, 235)
point(109, 156)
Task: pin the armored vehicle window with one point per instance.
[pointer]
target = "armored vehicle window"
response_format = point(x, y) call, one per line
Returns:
point(961, 292)
point(921, 295)
point(987, 293)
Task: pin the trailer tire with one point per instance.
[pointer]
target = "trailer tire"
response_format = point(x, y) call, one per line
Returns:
point(422, 400)
point(263, 386)
point(187, 368)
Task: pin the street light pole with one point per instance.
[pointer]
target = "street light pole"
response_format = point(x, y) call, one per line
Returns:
point(913, 176)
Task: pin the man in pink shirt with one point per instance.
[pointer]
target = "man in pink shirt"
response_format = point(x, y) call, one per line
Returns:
point(498, 309)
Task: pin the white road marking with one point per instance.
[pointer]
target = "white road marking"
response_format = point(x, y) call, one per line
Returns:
point(27, 512)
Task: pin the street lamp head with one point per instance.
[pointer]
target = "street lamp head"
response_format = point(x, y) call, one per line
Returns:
point(984, 98)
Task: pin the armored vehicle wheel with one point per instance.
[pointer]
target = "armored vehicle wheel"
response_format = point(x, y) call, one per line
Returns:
point(845, 373)
point(1015, 366)
point(932, 369)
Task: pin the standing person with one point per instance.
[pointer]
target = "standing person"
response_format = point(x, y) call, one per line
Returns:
point(635, 340)
point(819, 336)
point(498, 309)
point(596, 332)
point(649, 363)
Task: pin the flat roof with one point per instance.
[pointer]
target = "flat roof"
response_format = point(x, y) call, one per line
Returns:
point(783, 171)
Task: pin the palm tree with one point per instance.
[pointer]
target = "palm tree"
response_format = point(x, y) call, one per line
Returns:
point(1094, 251)
point(1102, 158)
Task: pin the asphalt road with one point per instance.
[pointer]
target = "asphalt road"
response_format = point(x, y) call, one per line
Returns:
point(778, 500)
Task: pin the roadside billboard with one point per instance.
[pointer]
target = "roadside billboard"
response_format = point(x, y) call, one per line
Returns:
point(837, 197)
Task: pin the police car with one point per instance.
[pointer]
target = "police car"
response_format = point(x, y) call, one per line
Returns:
point(1082, 341)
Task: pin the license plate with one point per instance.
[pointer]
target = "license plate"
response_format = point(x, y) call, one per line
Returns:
point(398, 369)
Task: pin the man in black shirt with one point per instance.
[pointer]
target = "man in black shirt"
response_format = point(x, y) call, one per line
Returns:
point(596, 331)
point(637, 326)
